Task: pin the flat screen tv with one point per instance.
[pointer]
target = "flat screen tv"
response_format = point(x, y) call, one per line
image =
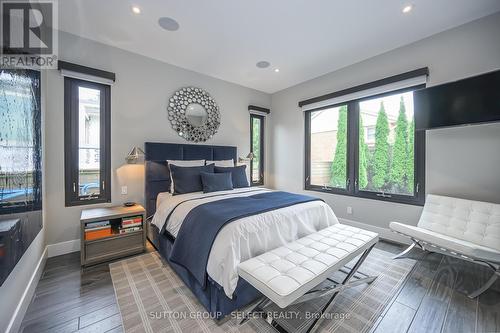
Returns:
point(469, 101)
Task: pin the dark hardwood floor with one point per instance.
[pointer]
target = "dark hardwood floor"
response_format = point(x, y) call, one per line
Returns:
point(433, 298)
point(71, 299)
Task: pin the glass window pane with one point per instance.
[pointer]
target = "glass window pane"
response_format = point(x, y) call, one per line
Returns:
point(89, 101)
point(256, 128)
point(386, 144)
point(18, 156)
point(329, 147)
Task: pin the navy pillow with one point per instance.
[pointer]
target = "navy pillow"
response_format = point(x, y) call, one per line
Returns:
point(238, 175)
point(213, 182)
point(188, 179)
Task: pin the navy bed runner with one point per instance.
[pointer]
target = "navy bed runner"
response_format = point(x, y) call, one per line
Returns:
point(194, 241)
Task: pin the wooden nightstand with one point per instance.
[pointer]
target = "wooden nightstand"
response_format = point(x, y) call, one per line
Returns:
point(100, 243)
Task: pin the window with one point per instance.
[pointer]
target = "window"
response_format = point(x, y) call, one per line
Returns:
point(20, 141)
point(368, 148)
point(328, 153)
point(257, 149)
point(87, 142)
point(386, 164)
point(370, 134)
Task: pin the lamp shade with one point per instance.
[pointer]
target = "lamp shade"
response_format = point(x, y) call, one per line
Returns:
point(247, 158)
point(135, 155)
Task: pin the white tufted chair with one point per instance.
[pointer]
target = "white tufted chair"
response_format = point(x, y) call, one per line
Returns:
point(465, 229)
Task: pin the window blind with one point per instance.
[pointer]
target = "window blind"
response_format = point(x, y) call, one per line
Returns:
point(86, 73)
point(258, 110)
point(397, 82)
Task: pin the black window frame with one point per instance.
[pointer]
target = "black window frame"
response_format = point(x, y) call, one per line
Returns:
point(36, 203)
point(71, 144)
point(260, 182)
point(352, 188)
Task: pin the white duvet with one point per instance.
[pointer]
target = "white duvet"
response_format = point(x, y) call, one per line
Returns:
point(247, 237)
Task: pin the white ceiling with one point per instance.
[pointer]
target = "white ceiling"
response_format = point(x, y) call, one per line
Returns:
point(303, 38)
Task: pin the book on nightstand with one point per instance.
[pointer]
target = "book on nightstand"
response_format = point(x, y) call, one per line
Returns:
point(98, 229)
point(127, 230)
point(98, 224)
point(97, 233)
point(129, 222)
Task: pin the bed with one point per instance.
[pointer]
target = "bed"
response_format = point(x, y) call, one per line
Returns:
point(222, 291)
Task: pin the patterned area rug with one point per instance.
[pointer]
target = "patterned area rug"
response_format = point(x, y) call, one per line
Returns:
point(152, 298)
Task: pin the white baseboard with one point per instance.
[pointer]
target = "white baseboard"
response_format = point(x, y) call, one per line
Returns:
point(384, 233)
point(58, 249)
point(24, 302)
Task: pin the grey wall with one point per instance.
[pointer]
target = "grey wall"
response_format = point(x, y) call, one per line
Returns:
point(461, 161)
point(138, 114)
point(464, 162)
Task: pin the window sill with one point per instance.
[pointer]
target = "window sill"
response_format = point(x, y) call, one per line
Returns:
point(414, 201)
point(87, 202)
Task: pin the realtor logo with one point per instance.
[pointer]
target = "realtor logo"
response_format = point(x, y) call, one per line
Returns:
point(28, 34)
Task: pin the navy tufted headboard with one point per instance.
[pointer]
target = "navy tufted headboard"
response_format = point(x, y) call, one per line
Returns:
point(157, 176)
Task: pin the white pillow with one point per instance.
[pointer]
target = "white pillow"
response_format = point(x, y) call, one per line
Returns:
point(222, 163)
point(182, 163)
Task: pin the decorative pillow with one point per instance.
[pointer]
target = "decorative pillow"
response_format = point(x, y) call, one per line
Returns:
point(238, 175)
point(213, 182)
point(187, 163)
point(222, 163)
point(188, 179)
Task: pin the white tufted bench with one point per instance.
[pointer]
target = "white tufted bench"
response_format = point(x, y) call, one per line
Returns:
point(465, 229)
point(288, 274)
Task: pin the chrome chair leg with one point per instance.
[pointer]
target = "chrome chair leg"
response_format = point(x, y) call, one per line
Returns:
point(485, 287)
point(408, 249)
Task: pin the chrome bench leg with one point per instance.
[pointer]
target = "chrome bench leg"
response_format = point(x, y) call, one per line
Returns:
point(256, 308)
point(334, 290)
point(315, 324)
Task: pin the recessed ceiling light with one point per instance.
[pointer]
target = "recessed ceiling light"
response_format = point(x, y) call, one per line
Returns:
point(407, 8)
point(136, 10)
point(263, 64)
point(168, 23)
point(277, 70)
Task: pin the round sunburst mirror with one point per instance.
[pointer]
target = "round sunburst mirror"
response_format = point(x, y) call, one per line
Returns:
point(193, 114)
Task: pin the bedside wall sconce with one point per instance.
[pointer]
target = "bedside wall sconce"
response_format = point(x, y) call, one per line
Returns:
point(135, 155)
point(248, 158)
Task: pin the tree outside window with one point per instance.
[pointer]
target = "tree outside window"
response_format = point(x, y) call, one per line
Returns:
point(389, 158)
point(385, 148)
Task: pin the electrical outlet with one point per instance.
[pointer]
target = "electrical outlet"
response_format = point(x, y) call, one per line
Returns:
point(349, 210)
point(124, 190)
